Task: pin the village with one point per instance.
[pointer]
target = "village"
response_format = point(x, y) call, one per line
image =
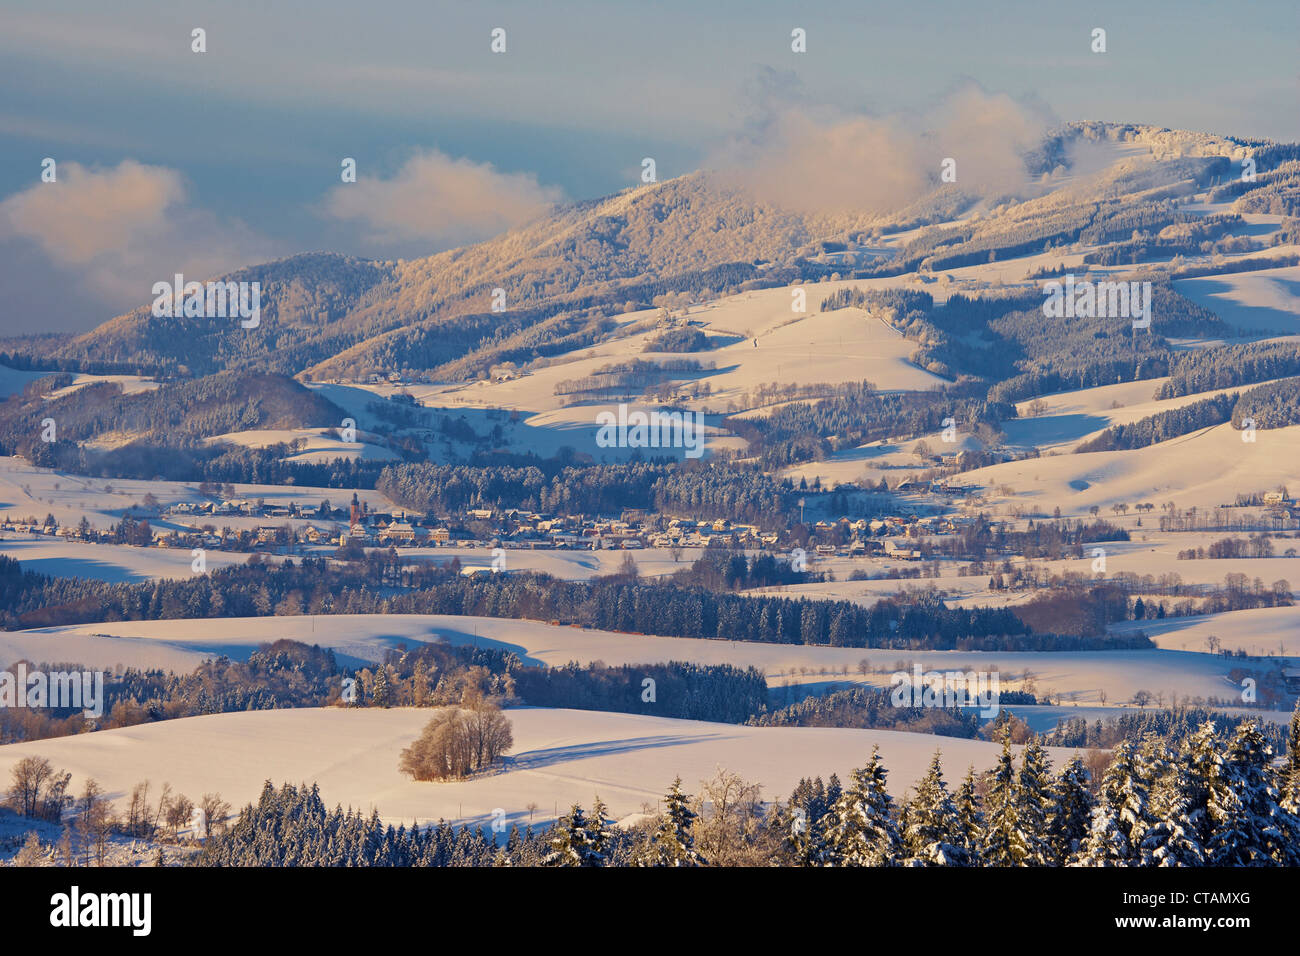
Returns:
point(295, 527)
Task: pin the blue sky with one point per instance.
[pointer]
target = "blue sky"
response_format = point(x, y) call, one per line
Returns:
point(254, 129)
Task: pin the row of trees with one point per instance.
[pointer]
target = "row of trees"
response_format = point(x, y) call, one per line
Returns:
point(384, 585)
point(37, 791)
point(282, 674)
point(1163, 426)
point(1255, 546)
point(872, 707)
point(714, 490)
point(1212, 801)
point(1229, 366)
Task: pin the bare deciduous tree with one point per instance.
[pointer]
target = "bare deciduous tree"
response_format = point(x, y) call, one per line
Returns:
point(729, 826)
point(29, 776)
point(215, 810)
point(179, 812)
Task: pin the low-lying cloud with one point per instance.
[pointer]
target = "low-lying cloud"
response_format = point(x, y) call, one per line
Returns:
point(114, 232)
point(440, 200)
point(818, 159)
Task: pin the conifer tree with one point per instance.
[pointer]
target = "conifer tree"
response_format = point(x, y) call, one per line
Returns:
point(861, 830)
point(381, 693)
point(801, 824)
point(970, 817)
point(1120, 821)
point(932, 833)
point(1072, 805)
point(570, 841)
point(599, 833)
point(673, 843)
point(1291, 771)
point(833, 792)
point(1003, 841)
point(799, 834)
point(1034, 804)
point(1172, 840)
point(1250, 827)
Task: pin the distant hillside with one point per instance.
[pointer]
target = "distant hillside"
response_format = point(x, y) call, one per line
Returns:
point(335, 316)
point(329, 316)
point(175, 415)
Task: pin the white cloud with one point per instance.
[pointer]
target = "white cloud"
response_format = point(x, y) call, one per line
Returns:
point(437, 199)
point(821, 160)
point(117, 231)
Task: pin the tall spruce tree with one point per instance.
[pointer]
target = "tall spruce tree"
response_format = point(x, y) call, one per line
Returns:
point(1201, 757)
point(932, 834)
point(861, 829)
point(673, 843)
point(600, 834)
point(1250, 827)
point(1003, 842)
point(1171, 839)
point(970, 817)
point(1034, 804)
point(1121, 818)
point(1291, 772)
point(800, 824)
point(1072, 805)
point(571, 841)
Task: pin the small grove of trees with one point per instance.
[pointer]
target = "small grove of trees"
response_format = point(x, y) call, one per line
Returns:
point(39, 792)
point(459, 742)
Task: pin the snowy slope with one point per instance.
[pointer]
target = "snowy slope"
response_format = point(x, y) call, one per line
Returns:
point(560, 756)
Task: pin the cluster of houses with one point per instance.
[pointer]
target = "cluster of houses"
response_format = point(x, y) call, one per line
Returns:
point(892, 536)
point(32, 527)
point(1278, 505)
point(948, 487)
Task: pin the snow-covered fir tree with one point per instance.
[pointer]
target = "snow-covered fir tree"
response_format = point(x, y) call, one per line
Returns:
point(1120, 820)
point(833, 790)
point(600, 834)
point(861, 829)
point(1072, 805)
point(381, 694)
point(932, 830)
point(1003, 840)
point(1034, 804)
point(571, 841)
point(1171, 839)
point(1291, 771)
point(1249, 825)
point(673, 843)
point(970, 817)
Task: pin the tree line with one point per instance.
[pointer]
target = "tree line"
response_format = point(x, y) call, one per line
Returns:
point(382, 584)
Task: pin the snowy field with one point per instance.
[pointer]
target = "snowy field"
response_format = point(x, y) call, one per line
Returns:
point(559, 757)
point(1174, 470)
point(1259, 631)
point(1267, 299)
point(106, 562)
point(26, 490)
point(319, 445)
